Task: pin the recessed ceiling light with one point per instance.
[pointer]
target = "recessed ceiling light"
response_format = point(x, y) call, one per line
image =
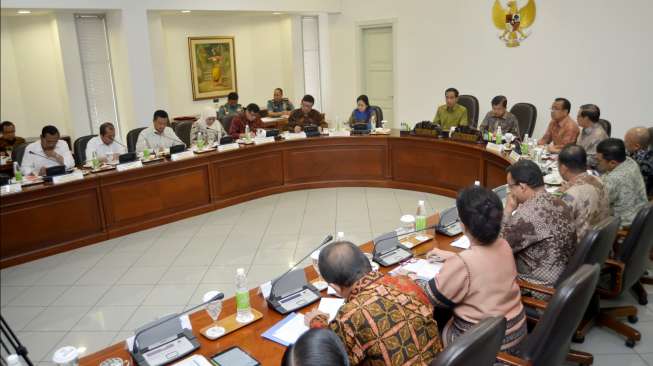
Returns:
point(277, 13)
point(24, 12)
point(185, 11)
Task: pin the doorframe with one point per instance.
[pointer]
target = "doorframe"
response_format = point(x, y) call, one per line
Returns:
point(358, 51)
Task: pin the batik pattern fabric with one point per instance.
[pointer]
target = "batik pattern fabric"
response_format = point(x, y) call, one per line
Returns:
point(644, 159)
point(626, 191)
point(588, 199)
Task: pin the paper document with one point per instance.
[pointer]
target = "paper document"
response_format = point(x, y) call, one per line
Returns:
point(462, 243)
point(288, 330)
point(424, 270)
point(331, 291)
point(330, 306)
point(266, 288)
point(194, 360)
point(271, 119)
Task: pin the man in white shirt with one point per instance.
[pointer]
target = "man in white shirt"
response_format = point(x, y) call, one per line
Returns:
point(48, 152)
point(105, 145)
point(159, 136)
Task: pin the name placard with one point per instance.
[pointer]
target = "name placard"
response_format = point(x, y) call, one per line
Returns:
point(182, 155)
point(494, 148)
point(296, 136)
point(227, 147)
point(263, 140)
point(340, 133)
point(131, 165)
point(11, 188)
point(60, 179)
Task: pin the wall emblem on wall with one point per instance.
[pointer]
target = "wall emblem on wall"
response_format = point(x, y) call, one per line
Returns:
point(512, 21)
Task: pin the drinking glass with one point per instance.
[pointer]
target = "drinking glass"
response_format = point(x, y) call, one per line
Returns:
point(214, 308)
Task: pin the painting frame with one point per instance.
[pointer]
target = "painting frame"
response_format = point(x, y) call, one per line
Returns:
point(208, 52)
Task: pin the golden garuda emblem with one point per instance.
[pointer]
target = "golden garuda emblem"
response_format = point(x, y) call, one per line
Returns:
point(513, 22)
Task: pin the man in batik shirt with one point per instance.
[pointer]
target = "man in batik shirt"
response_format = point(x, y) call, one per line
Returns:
point(638, 145)
point(538, 226)
point(385, 320)
point(585, 193)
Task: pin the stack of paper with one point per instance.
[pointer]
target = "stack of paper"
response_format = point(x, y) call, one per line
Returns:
point(288, 330)
point(462, 243)
point(330, 306)
point(422, 268)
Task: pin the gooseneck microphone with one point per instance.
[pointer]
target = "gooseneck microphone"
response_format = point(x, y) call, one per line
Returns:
point(324, 242)
point(46, 157)
point(390, 255)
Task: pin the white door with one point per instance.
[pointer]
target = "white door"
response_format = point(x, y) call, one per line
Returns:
point(377, 69)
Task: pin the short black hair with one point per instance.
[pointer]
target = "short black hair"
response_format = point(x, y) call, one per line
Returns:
point(481, 211)
point(49, 130)
point(253, 108)
point(160, 114)
point(106, 126)
point(343, 263)
point(454, 90)
point(6, 124)
point(612, 149)
point(232, 96)
point(527, 172)
point(500, 99)
point(280, 90)
point(316, 347)
point(574, 157)
point(364, 99)
point(590, 111)
point(566, 104)
point(308, 98)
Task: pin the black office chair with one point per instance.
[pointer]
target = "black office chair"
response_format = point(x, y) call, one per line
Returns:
point(132, 138)
point(607, 126)
point(548, 344)
point(80, 149)
point(526, 114)
point(226, 122)
point(471, 103)
point(182, 130)
point(379, 115)
point(650, 134)
point(478, 346)
point(625, 270)
point(18, 152)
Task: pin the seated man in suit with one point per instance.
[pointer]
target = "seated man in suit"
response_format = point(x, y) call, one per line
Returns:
point(592, 133)
point(248, 118)
point(306, 116)
point(637, 145)
point(158, 136)
point(499, 116)
point(622, 178)
point(105, 145)
point(538, 226)
point(9, 140)
point(49, 151)
point(562, 129)
point(231, 108)
point(451, 114)
point(374, 301)
point(279, 106)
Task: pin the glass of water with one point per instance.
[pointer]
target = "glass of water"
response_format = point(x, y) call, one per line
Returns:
point(214, 308)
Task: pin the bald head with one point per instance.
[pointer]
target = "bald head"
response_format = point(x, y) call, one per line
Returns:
point(637, 138)
point(343, 263)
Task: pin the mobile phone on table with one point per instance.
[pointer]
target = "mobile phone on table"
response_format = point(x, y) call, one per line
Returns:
point(234, 356)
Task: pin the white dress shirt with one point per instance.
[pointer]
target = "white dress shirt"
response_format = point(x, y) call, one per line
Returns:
point(148, 138)
point(32, 164)
point(101, 149)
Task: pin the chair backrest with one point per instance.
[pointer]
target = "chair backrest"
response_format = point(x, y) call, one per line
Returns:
point(650, 134)
point(526, 115)
point(379, 115)
point(607, 126)
point(132, 138)
point(471, 103)
point(18, 152)
point(80, 149)
point(593, 248)
point(548, 344)
point(226, 122)
point(478, 346)
point(636, 247)
point(182, 130)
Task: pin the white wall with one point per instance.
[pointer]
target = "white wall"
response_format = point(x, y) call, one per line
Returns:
point(262, 50)
point(33, 85)
point(590, 51)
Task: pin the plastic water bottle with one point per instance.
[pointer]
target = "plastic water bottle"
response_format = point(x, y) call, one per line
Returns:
point(420, 218)
point(373, 122)
point(18, 175)
point(499, 140)
point(14, 360)
point(200, 140)
point(524, 145)
point(95, 162)
point(243, 307)
point(247, 133)
point(146, 153)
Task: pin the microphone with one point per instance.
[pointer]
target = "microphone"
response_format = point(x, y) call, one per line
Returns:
point(326, 240)
point(172, 139)
point(404, 254)
point(218, 296)
point(46, 157)
point(119, 143)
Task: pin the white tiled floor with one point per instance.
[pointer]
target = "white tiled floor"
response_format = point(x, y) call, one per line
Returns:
point(97, 295)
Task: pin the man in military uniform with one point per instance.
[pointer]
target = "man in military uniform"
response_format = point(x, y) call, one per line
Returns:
point(279, 106)
point(231, 108)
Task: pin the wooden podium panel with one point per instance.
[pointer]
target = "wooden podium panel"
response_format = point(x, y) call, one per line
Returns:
point(245, 173)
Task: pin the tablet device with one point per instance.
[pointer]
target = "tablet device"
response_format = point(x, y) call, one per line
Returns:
point(234, 356)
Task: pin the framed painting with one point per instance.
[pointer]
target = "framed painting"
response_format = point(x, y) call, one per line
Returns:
point(212, 66)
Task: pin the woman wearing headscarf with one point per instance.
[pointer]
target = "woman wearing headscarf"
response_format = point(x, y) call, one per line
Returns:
point(208, 125)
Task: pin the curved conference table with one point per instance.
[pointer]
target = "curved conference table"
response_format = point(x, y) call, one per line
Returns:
point(47, 219)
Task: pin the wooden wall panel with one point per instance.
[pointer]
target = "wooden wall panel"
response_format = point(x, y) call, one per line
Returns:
point(248, 174)
point(329, 163)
